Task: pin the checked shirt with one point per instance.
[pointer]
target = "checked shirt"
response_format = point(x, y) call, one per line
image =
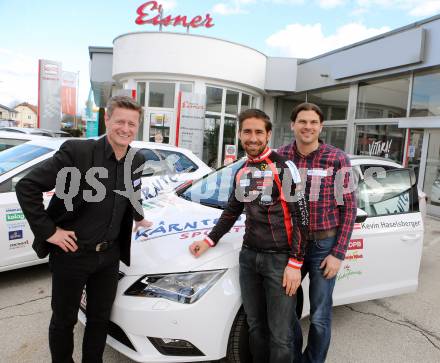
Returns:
point(328, 188)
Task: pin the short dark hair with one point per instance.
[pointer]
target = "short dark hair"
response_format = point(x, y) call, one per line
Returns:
point(123, 102)
point(306, 106)
point(254, 112)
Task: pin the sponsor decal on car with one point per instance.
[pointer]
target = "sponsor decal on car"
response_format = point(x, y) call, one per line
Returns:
point(15, 216)
point(384, 224)
point(352, 257)
point(17, 234)
point(16, 245)
point(163, 229)
point(16, 225)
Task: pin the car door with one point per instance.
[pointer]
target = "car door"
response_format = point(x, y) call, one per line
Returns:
point(384, 253)
point(17, 237)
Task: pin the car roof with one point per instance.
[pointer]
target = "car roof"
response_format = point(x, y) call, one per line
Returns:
point(372, 160)
point(21, 136)
point(56, 142)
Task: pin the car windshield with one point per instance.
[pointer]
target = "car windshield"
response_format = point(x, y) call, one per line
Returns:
point(14, 157)
point(214, 189)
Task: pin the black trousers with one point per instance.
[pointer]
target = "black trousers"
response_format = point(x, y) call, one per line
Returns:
point(70, 273)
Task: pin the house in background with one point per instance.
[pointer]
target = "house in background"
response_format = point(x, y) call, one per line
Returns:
point(27, 115)
point(8, 116)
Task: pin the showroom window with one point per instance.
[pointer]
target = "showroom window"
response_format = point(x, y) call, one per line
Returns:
point(385, 98)
point(214, 97)
point(231, 102)
point(161, 95)
point(380, 140)
point(333, 102)
point(282, 133)
point(425, 100)
point(334, 135)
point(221, 127)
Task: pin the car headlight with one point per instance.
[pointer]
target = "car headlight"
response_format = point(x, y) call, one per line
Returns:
point(185, 288)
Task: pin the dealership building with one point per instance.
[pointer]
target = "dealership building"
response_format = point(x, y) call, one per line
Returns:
point(380, 96)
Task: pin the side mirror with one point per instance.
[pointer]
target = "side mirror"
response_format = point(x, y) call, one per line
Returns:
point(361, 216)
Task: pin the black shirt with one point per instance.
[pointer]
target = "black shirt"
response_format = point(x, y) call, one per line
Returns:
point(101, 221)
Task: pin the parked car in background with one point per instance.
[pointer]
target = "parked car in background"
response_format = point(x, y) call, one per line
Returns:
point(166, 167)
point(11, 139)
point(172, 307)
point(36, 131)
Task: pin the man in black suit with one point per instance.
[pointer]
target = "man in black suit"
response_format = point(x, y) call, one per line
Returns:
point(87, 226)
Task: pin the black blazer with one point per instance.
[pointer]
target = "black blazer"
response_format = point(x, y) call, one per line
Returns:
point(82, 154)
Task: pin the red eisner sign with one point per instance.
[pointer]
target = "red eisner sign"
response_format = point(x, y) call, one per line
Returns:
point(154, 6)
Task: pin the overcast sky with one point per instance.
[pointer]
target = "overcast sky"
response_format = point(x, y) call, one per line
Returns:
point(63, 30)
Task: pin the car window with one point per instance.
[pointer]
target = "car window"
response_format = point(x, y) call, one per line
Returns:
point(213, 189)
point(9, 185)
point(7, 143)
point(153, 164)
point(19, 155)
point(365, 167)
point(178, 162)
point(387, 192)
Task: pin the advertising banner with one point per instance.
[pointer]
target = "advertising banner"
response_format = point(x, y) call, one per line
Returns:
point(49, 92)
point(68, 93)
point(191, 122)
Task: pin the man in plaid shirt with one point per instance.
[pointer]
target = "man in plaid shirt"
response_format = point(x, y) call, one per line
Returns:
point(332, 207)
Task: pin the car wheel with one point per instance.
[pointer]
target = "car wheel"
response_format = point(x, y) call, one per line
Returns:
point(238, 343)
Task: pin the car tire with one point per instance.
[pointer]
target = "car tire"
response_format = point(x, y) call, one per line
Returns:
point(238, 343)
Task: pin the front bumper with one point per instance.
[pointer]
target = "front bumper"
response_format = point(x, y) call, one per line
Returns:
point(205, 324)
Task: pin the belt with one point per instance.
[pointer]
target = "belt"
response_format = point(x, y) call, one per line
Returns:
point(317, 235)
point(264, 250)
point(99, 247)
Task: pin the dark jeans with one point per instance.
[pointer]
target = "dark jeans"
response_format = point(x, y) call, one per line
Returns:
point(321, 302)
point(271, 314)
point(70, 273)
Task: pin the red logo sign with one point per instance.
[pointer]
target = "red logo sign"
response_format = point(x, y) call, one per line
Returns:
point(154, 6)
point(356, 244)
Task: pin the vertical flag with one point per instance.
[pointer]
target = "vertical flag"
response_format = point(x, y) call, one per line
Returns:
point(68, 93)
point(49, 91)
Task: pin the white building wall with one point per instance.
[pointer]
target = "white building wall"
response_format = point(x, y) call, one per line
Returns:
point(185, 54)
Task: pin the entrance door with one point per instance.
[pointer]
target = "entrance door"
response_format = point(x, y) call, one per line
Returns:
point(159, 126)
point(431, 181)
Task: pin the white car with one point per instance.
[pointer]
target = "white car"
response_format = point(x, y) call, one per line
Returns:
point(172, 307)
point(11, 139)
point(35, 131)
point(167, 168)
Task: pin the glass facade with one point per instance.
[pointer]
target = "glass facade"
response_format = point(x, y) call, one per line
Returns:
point(161, 95)
point(387, 141)
point(333, 102)
point(386, 98)
point(231, 102)
point(334, 135)
point(425, 97)
point(221, 127)
point(214, 99)
point(282, 134)
point(210, 140)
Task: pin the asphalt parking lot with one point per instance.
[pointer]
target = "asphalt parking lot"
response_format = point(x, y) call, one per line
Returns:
point(404, 328)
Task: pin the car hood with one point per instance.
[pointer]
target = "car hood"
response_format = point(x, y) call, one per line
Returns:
point(163, 248)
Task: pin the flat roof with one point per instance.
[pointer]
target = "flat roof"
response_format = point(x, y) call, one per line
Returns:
point(104, 50)
point(368, 40)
